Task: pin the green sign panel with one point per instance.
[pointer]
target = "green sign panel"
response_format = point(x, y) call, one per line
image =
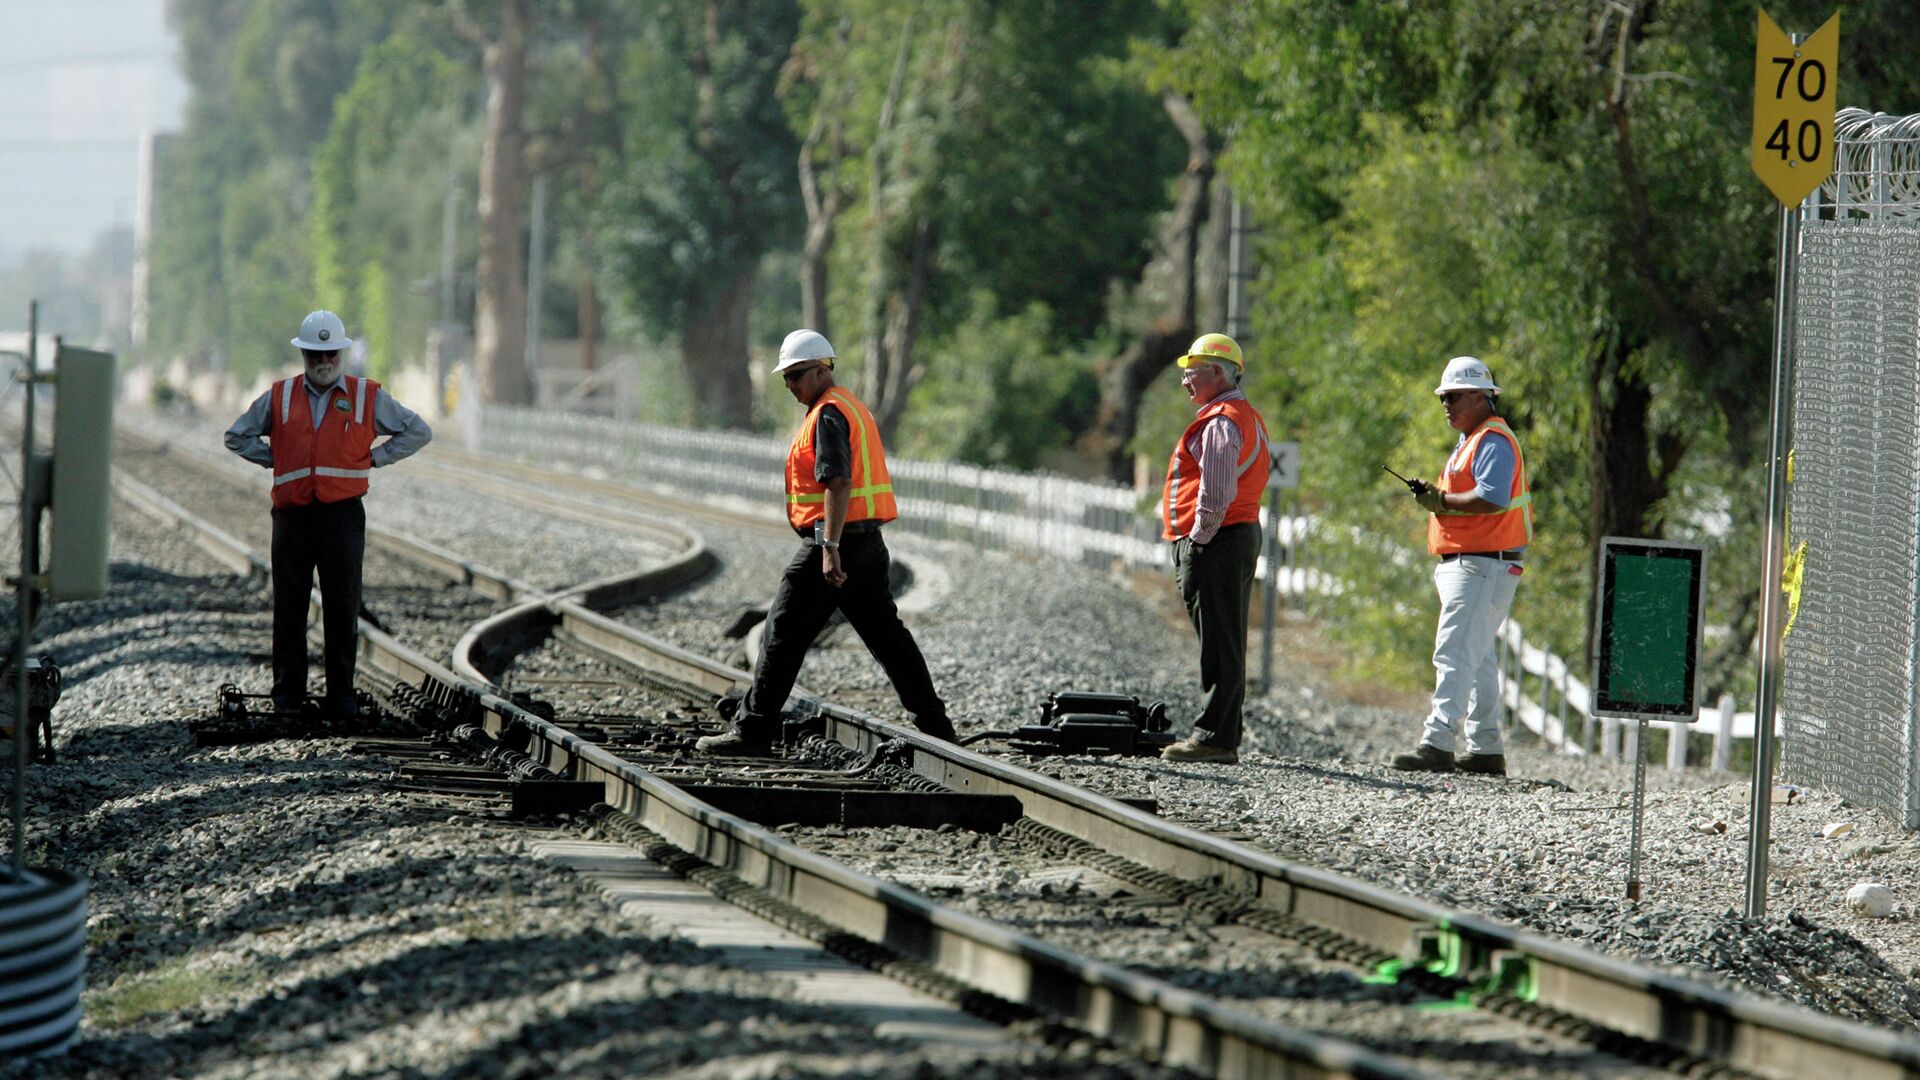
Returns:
point(1650, 613)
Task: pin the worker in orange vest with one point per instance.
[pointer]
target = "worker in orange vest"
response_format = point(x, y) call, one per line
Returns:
point(1210, 510)
point(839, 494)
point(315, 431)
point(1482, 522)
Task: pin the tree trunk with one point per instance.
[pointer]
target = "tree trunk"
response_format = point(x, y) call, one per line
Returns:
point(713, 353)
point(822, 192)
point(882, 335)
point(1626, 492)
point(1126, 379)
point(824, 208)
point(500, 301)
point(588, 309)
point(893, 377)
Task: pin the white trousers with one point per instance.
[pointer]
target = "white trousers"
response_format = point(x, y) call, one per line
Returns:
point(1475, 596)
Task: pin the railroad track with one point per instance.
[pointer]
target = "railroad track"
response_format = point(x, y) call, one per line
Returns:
point(1660, 1020)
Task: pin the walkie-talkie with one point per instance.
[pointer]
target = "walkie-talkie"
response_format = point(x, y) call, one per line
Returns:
point(1415, 486)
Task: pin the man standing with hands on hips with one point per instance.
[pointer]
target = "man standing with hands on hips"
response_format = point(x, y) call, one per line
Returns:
point(839, 494)
point(1481, 525)
point(321, 425)
point(1210, 510)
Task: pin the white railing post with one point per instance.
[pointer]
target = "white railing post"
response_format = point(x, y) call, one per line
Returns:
point(1723, 735)
point(1677, 747)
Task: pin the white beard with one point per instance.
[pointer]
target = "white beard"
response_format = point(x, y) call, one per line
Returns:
point(323, 375)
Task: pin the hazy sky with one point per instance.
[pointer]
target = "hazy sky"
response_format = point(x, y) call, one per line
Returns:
point(79, 81)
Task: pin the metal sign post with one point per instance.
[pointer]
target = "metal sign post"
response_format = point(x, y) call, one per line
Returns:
point(1285, 473)
point(23, 600)
point(1648, 616)
point(1794, 90)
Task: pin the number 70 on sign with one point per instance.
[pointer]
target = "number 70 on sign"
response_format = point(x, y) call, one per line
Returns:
point(1794, 90)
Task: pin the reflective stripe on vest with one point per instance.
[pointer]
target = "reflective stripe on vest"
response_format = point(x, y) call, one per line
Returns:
point(1452, 531)
point(329, 461)
point(871, 497)
point(1180, 499)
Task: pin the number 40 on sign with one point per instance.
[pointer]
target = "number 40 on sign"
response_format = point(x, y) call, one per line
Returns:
point(1794, 90)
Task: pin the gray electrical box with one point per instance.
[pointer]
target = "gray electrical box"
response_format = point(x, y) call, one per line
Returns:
point(82, 498)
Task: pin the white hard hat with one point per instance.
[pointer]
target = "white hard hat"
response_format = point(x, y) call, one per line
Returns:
point(322, 331)
point(802, 347)
point(1466, 373)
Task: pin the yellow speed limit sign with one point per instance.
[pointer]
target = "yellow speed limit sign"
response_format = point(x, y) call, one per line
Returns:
point(1793, 106)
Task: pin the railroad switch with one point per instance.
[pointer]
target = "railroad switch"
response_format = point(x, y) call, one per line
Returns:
point(250, 718)
point(43, 692)
point(1083, 722)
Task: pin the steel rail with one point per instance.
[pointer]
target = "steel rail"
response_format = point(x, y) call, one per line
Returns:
point(1174, 1025)
point(1686, 1016)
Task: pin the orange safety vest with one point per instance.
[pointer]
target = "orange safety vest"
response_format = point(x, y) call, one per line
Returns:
point(1180, 501)
point(872, 496)
point(329, 463)
point(1453, 531)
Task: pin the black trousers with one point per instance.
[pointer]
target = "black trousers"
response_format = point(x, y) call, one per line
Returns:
point(801, 607)
point(1217, 584)
point(329, 538)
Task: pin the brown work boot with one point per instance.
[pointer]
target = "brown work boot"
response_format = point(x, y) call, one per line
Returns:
point(1425, 758)
point(1192, 749)
point(1484, 764)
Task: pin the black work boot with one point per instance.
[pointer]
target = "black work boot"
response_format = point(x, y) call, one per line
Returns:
point(1484, 764)
point(938, 727)
point(1425, 758)
point(736, 742)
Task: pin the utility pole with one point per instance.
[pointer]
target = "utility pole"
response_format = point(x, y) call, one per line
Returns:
point(536, 278)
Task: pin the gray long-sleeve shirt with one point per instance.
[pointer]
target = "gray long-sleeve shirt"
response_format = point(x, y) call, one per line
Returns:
point(406, 432)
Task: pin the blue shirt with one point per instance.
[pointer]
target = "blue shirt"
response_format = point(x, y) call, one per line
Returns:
point(1493, 468)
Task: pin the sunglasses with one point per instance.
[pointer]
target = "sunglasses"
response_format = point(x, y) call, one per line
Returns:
point(320, 354)
point(1452, 396)
point(796, 374)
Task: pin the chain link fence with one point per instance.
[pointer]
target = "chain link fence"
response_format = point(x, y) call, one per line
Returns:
point(1848, 691)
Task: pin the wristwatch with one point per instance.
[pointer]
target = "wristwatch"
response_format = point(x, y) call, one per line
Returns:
point(830, 545)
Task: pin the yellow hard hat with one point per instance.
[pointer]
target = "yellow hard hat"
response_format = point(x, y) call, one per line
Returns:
point(1213, 348)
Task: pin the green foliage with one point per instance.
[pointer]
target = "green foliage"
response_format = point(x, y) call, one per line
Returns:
point(171, 988)
point(1476, 177)
point(374, 222)
point(984, 149)
point(702, 184)
point(263, 261)
point(1004, 391)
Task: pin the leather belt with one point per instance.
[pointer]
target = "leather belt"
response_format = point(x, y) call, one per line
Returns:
point(851, 528)
point(1513, 555)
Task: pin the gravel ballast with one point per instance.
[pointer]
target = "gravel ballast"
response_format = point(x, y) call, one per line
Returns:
point(197, 838)
point(271, 911)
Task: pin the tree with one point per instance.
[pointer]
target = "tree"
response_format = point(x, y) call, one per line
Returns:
point(373, 223)
point(703, 186)
point(1560, 189)
point(1127, 376)
point(500, 291)
point(986, 146)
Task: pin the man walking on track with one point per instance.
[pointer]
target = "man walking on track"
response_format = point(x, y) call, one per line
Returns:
point(1210, 510)
point(321, 426)
point(1481, 525)
point(838, 496)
